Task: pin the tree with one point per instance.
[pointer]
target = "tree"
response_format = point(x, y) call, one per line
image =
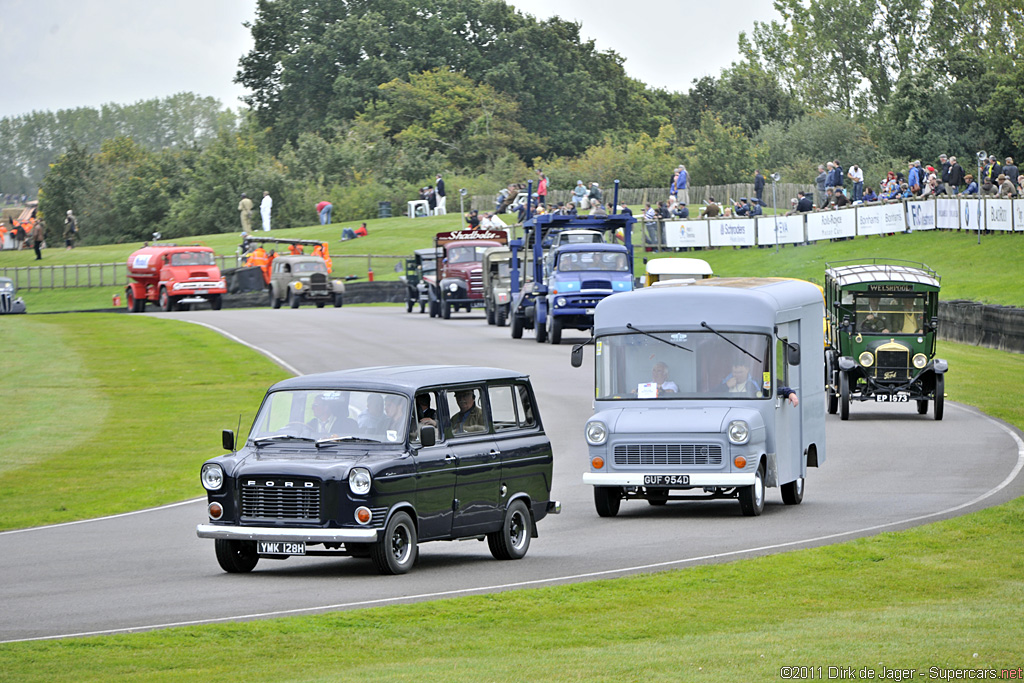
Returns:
point(720, 153)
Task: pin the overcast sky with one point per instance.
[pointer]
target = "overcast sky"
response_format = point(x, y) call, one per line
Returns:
point(61, 54)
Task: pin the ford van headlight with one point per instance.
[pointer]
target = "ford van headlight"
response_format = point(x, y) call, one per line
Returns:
point(739, 432)
point(359, 481)
point(866, 359)
point(212, 477)
point(920, 360)
point(597, 433)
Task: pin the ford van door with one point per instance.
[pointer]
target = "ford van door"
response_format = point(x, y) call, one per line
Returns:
point(478, 477)
point(435, 480)
point(788, 435)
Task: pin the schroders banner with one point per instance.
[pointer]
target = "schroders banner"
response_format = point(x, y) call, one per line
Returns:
point(790, 229)
point(826, 225)
point(947, 214)
point(921, 215)
point(1018, 215)
point(679, 234)
point(733, 232)
point(999, 214)
point(879, 220)
point(972, 214)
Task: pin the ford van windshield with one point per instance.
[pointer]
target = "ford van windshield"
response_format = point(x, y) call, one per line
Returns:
point(683, 365)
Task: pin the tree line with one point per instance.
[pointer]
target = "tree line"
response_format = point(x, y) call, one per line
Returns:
point(362, 101)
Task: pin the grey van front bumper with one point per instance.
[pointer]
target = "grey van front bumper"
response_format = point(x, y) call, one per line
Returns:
point(697, 479)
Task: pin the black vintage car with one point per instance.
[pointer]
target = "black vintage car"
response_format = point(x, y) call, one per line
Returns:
point(370, 462)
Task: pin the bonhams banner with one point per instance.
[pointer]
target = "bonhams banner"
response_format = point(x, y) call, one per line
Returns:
point(921, 215)
point(790, 229)
point(680, 234)
point(879, 220)
point(946, 214)
point(999, 214)
point(826, 225)
point(734, 232)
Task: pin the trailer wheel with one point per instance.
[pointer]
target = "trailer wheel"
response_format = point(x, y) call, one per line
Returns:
point(134, 305)
point(216, 302)
point(940, 395)
point(844, 396)
point(752, 497)
point(607, 500)
point(166, 303)
point(236, 557)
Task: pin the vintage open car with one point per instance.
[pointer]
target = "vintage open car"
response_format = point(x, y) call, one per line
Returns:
point(882, 319)
point(423, 263)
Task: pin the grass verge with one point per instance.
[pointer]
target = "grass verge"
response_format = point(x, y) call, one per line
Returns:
point(946, 595)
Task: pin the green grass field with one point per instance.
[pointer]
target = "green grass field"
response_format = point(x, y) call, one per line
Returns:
point(947, 595)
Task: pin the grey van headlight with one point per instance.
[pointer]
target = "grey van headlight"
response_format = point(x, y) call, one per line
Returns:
point(359, 481)
point(212, 477)
point(739, 432)
point(597, 433)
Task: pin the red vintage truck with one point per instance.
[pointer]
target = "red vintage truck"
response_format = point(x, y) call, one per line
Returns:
point(173, 277)
point(458, 281)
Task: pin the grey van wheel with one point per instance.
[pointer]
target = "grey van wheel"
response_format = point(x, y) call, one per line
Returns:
point(607, 500)
point(793, 492)
point(513, 539)
point(752, 497)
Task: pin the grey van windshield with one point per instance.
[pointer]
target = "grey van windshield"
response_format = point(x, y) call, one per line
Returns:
point(683, 365)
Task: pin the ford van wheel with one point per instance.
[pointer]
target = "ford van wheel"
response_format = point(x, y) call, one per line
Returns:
point(339, 300)
point(293, 299)
point(844, 396)
point(513, 539)
point(657, 497)
point(607, 500)
point(752, 497)
point(395, 552)
point(793, 492)
point(940, 395)
point(165, 300)
point(517, 326)
point(236, 557)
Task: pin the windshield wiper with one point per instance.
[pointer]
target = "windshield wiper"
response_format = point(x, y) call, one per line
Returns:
point(629, 326)
point(280, 437)
point(708, 327)
point(337, 439)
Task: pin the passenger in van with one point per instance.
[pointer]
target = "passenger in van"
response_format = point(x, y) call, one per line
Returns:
point(395, 415)
point(659, 373)
point(469, 418)
point(424, 413)
point(330, 417)
point(739, 381)
point(373, 420)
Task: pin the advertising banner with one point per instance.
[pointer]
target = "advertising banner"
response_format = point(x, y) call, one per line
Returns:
point(826, 225)
point(999, 214)
point(679, 234)
point(790, 229)
point(972, 214)
point(733, 232)
point(1018, 215)
point(921, 215)
point(947, 214)
point(879, 220)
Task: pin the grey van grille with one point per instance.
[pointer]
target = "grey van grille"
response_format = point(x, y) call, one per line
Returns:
point(667, 454)
point(274, 499)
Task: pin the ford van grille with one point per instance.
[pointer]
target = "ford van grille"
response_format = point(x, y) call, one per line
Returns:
point(667, 454)
point(280, 498)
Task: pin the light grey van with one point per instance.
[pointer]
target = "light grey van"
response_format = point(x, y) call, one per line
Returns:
point(701, 393)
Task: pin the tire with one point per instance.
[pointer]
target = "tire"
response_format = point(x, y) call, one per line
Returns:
point(554, 329)
point(844, 396)
point(657, 497)
point(501, 316)
point(607, 500)
point(752, 497)
point(395, 552)
point(793, 492)
point(517, 326)
point(922, 406)
point(166, 301)
point(940, 395)
point(293, 299)
point(274, 301)
point(423, 306)
point(513, 539)
point(408, 305)
point(236, 557)
point(133, 304)
point(490, 315)
point(435, 309)
point(446, 309)
point(339, 301)
point(830, 386)
point(216, 302)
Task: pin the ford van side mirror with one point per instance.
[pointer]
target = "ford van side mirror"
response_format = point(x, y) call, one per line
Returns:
point(428, 437)
point(227, 439)
point(793, 354)
point(576, 358)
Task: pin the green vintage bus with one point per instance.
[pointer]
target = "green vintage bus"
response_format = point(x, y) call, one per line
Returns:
point(882, 317)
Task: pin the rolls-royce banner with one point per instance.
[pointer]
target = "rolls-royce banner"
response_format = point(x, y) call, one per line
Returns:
point(735, 232)
point(826, 225)
point(1018, 215)
point(879, 220)
point(921, 215)
point(946, 214)
point(999, 214)
point(972, 214)
point(687, 234)
point(790, 229)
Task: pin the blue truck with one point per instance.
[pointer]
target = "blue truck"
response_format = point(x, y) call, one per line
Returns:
point(558, 288)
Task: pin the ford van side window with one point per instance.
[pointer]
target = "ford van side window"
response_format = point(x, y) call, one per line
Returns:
point(468, 414)
point(503, 407)
point(524, 406)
